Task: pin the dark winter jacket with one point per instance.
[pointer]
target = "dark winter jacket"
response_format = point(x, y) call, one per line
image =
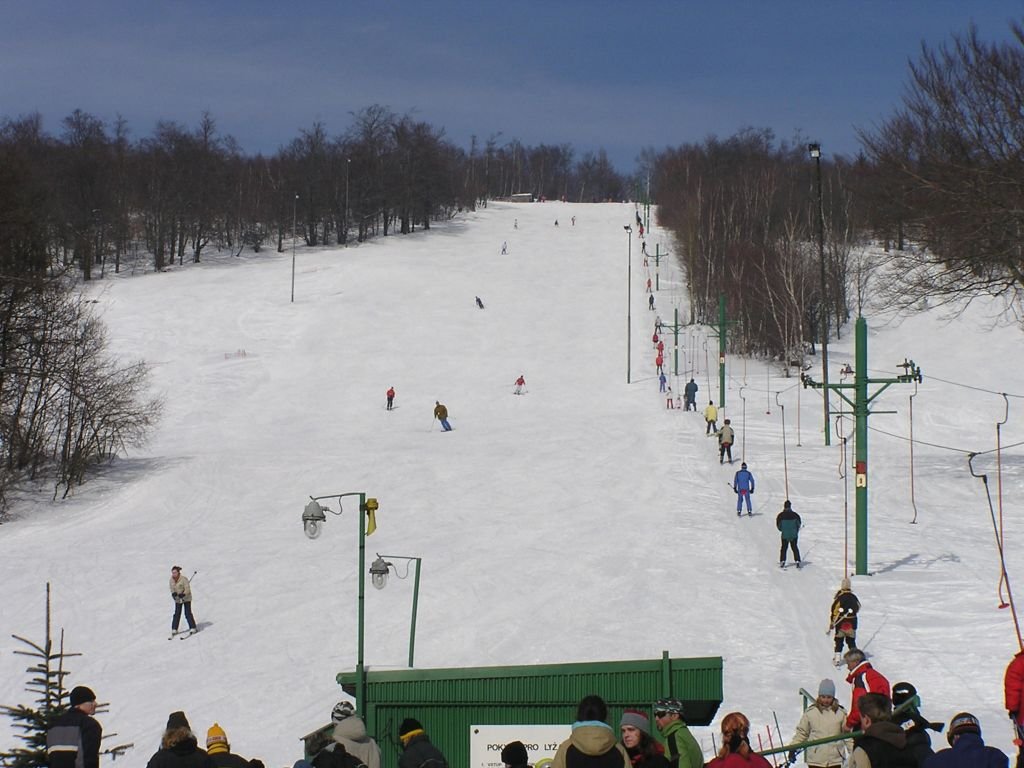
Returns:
point(440, 412)
point(744, 481)
point(336, 757)
point(648, 755)
point(592, 744)
point(184, 754)
point(845, 606)
point(788, 522)
point(690, 390)
point(883, 745)
point(73, 741)
point(231, 760)
point(420, 753)
point(969, 751)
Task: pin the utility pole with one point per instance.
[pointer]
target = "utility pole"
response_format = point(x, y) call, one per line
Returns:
point(815, 150)
point(723, 324)
point(861, 403)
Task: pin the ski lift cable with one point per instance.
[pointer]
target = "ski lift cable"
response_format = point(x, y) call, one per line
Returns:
point(944, 447)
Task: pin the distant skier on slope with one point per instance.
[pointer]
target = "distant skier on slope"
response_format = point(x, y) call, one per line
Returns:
point(479, 303)
point(441, 414)
point(662, 380)
point(788, 523)
point(520, 383)
point(743, 485)
point(691, 394)
point(391, 397)
point(181, 593)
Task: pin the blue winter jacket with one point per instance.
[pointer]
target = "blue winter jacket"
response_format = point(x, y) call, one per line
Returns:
point(744, 481)
point(969, 751)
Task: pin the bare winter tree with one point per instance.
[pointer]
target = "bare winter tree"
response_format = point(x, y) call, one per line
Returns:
point(952, 161)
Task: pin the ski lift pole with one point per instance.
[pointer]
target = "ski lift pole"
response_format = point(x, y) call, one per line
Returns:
point(785, 461)
point(743, 422)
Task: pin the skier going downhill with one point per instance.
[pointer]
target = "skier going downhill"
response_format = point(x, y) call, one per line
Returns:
point(520, 383)
point(441, 414)
point(743, 485)
point(391, 397)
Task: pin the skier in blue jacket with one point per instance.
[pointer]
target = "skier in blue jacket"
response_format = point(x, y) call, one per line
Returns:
point(743, 484)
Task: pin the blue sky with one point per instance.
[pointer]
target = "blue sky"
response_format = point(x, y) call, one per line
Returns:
point(618, 75)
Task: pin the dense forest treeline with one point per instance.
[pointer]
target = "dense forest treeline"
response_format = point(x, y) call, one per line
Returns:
point(940, 185)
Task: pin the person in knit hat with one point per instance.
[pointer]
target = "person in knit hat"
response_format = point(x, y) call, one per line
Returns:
point(76, 730)
point(219, 750)
point(592, 742)
point(351, 739)
point(824, 718)
point(843, 619)
point(179, 747)
point(643, 751)
point(417, 751)
point(514, 755)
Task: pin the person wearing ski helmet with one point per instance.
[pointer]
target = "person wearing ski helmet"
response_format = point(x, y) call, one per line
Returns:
point(967, 750)
point(912, 722)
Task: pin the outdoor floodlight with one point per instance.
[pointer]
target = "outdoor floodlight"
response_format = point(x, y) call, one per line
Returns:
point(313, 518)
point(379, 572)
point(815, 150)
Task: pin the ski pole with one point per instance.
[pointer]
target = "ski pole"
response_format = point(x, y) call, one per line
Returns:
point(730, 485)
point(193, 576)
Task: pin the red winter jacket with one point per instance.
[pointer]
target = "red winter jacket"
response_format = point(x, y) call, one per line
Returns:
point(865, 679)
point(1013, 687)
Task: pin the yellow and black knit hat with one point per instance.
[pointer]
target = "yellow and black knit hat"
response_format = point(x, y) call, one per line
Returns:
point(216, 740)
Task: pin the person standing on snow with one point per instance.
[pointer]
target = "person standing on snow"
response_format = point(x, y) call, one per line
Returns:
point(1013, 698)
point(390, 396)
point(788, 523)
point(181, 594)
point(520, 383)
point(726, 437)
point(711, 417)
point(843, 619)
point(681, 747)
point(662, 381)
point(504, 248)
point(479, 303)
point(441, 414)
point(659, 361)
point(650, 302)
point(865, 679)
point(669, 400)
point(74, 738)
point(691, 394)
point(743, 485)
point(823, 719)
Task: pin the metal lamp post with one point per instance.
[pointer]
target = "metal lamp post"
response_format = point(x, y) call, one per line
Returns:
point(629, 298)
point(348, 167)
point(379, 578)
point(295, 206)
point(313, 517)
point(815, 150)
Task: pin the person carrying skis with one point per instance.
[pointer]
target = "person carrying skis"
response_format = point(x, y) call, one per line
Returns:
point(788, 523)
point(390, 396)
point(743, 485)
point(843, 619)
point(441, 414)
point(711, 417)
point(181, 593)
point(690, 390)
point(726, 437)
point(520, 383)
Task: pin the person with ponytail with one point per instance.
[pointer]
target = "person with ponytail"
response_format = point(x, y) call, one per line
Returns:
point(735, 751)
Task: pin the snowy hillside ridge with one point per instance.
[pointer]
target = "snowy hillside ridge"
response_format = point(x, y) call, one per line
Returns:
point(581, 521)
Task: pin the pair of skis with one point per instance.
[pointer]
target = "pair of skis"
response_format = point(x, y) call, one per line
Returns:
point(183, 634)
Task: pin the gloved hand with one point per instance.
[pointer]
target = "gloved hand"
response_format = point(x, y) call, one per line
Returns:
point(792, 756)
point(1013, 716)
